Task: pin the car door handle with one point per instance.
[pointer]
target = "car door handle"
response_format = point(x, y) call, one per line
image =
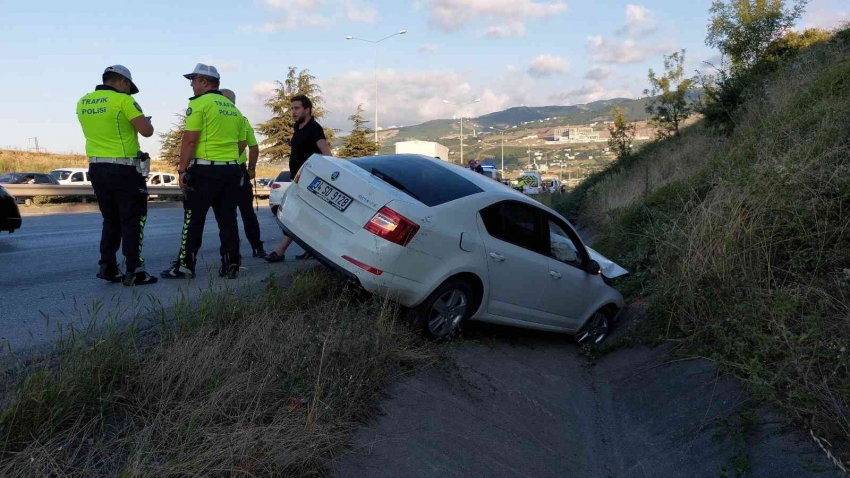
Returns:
point(555, 275)
point(497, 257)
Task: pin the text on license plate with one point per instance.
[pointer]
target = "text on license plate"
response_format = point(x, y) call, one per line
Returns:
point(332, 195)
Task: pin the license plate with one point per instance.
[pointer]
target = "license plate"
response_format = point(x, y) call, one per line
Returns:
point(332, 195)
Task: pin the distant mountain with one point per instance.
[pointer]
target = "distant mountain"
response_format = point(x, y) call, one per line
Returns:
point(542, 116)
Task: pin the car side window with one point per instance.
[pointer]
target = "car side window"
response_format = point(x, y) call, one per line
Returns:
point(77, 178)
point(155, 180)
point(515, 223)
point(561, 246)
point(166, 179)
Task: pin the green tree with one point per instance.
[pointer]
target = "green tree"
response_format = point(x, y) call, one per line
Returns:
point(279, 128)
point(622, 134)
point(743, 30)
point(359, 142)
point(170, 142)
point(669, 105)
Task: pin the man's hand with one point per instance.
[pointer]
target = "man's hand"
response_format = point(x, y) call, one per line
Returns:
point(252, 173)
point(183, 185)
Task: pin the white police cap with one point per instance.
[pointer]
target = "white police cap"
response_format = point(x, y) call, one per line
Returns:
point(206, 70)
point(123, 71)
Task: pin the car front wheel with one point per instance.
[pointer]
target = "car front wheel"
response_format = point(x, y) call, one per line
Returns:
point(595, 330)
point(440, 316)
point(274, 210)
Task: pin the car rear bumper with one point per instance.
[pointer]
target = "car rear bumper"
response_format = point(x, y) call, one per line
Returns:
point(325, 242)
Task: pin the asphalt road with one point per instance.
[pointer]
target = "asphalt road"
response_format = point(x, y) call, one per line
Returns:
point(48, 267)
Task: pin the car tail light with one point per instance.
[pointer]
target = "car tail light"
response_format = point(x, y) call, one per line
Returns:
point(275, 185)
point(297, 176)
point(392, 226)
point(363, 266)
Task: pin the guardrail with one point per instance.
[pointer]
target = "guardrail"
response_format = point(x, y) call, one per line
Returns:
point(32, 190)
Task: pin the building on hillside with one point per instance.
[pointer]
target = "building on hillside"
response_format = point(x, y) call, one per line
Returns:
point(426, 148)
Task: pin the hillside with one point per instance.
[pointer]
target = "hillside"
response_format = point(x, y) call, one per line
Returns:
point(739, 243)
point(635, 110)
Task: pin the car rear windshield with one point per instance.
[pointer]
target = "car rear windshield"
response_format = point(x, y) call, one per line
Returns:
point(284, 177)
point(430, 183)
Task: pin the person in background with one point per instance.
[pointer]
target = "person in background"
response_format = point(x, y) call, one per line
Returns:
point(248, 165)
point(308, 138)
point(476, 166)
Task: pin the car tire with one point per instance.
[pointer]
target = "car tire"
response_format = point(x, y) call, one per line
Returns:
point(596, 329)
point(274, 210)
point(442, 314)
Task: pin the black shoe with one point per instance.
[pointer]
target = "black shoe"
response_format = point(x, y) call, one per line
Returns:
point(110, 273)
point(176, 271)
point(305, 256)
point(273, 256)
point(260, 253)
point(231, 271)
point(139, 278)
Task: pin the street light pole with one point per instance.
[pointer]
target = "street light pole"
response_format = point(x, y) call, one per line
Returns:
point(400, 32)
point(459, 106)
point(502, 131)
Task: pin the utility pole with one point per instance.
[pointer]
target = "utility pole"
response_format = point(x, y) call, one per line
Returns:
point(461, 122)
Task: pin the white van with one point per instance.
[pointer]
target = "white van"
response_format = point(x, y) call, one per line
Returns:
point(74, 176)
point(531, 182)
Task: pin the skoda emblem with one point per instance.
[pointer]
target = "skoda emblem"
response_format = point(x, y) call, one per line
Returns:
point(334, 175)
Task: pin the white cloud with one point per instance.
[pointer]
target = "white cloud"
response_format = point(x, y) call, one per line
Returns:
point(359, 12)
point(507, 30)
point(590, 92)
point(611, 51)
point(452, 14)
point(598, 73)
point(547, 65)
point(639, 22)
point(824, 14)
point(430, 48)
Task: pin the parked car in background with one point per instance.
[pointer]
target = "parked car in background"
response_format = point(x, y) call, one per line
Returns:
point(162, 179)
point(27, 178)
point(75, 176)
point(278, 187)
point(530, 182)
point(10, 215)
point(264, 182)
point(451, 245)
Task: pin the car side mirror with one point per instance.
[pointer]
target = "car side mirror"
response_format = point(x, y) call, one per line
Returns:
point(593, 268)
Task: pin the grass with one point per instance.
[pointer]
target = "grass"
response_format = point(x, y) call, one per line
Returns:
point(266, 386)
point(26, 161)
point(740, 245)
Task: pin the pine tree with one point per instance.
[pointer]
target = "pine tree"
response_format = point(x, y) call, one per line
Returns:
point(622, 134)
point(278, 130)
point(359, 143)
point(170, 142)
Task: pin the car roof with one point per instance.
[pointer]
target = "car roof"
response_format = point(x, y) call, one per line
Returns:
point(73, 170)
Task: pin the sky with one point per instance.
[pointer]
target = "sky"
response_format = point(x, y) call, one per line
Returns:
point(503, 52)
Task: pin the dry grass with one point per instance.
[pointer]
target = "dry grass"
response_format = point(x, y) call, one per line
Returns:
point(745, 257)
point(26, 161)
point(266, 387)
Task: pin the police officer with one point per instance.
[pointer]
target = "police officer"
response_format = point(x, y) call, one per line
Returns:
point(248, 164)
point(111, 122)
point(213, 139)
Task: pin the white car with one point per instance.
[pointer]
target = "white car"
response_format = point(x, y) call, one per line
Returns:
point(162, 179)
point(450, 244)
point(74, 176)
point(277, 188)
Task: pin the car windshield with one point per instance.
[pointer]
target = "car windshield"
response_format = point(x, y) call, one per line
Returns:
point(283, 177)
point(60, 175)
point(430, 183)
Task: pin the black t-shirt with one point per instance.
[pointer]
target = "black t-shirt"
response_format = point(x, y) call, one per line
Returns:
point(304, 145)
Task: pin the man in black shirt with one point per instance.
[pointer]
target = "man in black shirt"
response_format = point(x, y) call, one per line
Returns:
point(308, 138)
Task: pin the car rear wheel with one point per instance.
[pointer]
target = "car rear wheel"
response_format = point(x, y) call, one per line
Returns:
point(440, 316)
point(274, 210)
point(595, 330)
